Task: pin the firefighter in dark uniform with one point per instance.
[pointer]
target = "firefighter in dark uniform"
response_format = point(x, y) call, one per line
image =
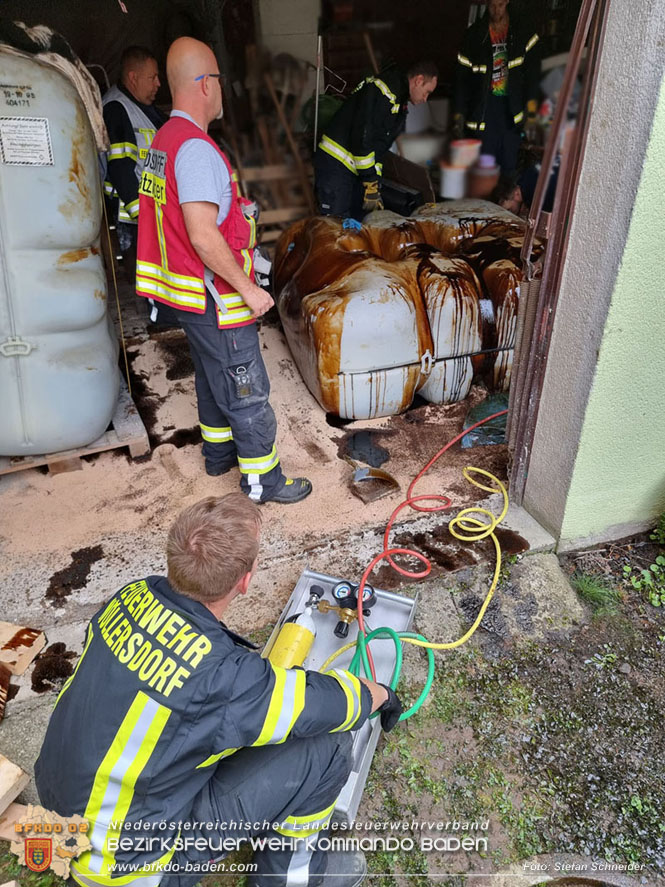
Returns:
point(496, 84)
point(196, 255)
point(131, 121)
point(347, 164)
point(178, 741)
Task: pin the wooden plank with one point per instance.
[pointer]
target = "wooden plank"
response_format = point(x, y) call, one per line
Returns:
point(404, 172)
point(127, 422)
point(302, 172)
point(288, 214)
point(271, 172)
point(128, 430)
point(19, 645)
point(12, 782)
point(5, 677)
point(8, 818)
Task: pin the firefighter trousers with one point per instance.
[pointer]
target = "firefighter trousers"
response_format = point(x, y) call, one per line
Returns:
point(291, 787)
point(338, 191)
point(238, 424)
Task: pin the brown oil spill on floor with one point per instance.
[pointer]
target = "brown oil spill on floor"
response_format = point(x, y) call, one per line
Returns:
point(445, 553)
point(52, 667)
point(146, 401)
point(74, 576)
point(362, 445)
point(175, 351)
point(179, 363)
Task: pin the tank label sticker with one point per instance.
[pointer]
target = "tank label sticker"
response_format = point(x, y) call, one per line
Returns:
point(16, 95)
point(25, 141)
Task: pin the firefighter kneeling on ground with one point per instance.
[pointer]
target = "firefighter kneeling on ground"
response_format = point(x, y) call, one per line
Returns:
point(173, 725)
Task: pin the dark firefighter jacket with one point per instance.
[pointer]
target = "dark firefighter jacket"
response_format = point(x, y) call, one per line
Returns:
point(368, 123)
point(473, 75)
point(161, 694)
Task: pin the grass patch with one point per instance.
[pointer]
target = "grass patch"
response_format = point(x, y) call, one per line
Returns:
point(598, 593)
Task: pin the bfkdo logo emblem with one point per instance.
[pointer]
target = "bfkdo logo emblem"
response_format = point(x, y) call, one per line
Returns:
point(38, 853)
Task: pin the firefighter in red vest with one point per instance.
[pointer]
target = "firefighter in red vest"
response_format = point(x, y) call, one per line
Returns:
point(195, 253)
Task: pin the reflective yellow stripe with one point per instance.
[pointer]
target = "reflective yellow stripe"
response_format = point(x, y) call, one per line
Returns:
point(351, 686)
point(518, 118)
point(178, 297)
point(532, 42)
point(234, 318)
point(379, 169)
point(113, 787)
point(515, 63)
point(338, 152)
point(260, 465)
point(252, 232)
point(463, 60)
point(213, 759)
point(304, 826)
point(286, 703)
point(160, 234)
point(138, 878)
point(479, 68)
point(73, 674)
point(247, 264)
point(177, 280)
point(133, 208)
point(120, 150)
point(383, 87)
point(108, 188)
point(215, 435)
point(364, 162)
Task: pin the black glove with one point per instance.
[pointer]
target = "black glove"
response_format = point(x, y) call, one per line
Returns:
point(391, 710)
point(371, 197)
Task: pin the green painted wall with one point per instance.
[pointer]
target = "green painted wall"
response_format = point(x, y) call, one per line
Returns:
point(619, 473)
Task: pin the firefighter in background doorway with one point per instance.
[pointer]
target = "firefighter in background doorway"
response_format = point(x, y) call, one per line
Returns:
point(347, 164)
point(131, 120)
point(496, 84)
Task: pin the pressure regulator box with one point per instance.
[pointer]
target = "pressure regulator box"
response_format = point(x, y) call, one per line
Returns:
point(390, 610)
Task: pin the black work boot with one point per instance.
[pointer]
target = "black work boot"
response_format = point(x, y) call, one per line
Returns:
point(216, 470)
point(295, 489)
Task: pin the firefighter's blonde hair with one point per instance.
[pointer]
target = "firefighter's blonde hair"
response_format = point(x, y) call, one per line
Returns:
point(212, 545)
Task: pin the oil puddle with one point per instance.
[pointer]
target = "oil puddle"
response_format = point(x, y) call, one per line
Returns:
point(362, 446)
point(52, 667)
point(74, 576)
point(446, 554)
point(175, 351)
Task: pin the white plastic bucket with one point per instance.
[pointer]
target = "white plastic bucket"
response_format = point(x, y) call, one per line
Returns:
point(453, 181)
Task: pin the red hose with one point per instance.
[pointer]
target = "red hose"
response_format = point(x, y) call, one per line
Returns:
point(411, 501)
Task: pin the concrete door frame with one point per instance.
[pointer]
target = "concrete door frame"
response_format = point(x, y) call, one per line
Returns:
point(631, 70)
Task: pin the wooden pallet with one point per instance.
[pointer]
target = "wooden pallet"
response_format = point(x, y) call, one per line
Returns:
point(127, 430)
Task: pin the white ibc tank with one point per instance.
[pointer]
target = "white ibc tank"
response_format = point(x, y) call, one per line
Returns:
point(58, 354)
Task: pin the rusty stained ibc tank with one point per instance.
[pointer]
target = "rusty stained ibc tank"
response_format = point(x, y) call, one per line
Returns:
point(424, 304)
point(58, 354)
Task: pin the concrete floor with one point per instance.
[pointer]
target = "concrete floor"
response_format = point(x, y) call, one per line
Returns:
point(68, 541)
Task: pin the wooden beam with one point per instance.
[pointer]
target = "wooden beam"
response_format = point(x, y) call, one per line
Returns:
point(288, 214)
point(271, 172)
point(12, 782)
point(8, 818)
point(19, 645)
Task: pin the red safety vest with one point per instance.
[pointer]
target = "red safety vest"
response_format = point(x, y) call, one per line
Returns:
point(168, 268)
